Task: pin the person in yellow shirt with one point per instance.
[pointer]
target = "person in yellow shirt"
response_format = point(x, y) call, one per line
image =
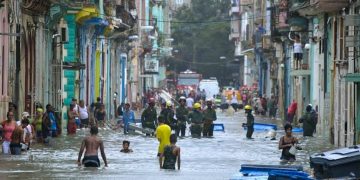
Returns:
point(163, 132)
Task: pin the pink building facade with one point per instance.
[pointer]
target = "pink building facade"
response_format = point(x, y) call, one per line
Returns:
point(4, 62)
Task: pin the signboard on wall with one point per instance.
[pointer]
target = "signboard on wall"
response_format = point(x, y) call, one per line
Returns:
point(151, 66)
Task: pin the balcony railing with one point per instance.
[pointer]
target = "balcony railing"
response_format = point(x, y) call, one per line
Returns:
point(235, 10)
point(304, 70)
point(234, 35)
point(247, 44)
point(329, 5)
point(266, 42)
point(313, 7)
point(279, 16)
point(36, 6)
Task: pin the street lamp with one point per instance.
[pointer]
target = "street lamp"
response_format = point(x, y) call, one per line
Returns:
point(152, 37)
point(170, 39)
point(222, 57)
point(147, 28)
point(222, 71)
point(133, 37)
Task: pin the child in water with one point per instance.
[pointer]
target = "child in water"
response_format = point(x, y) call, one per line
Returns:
point(125, 148)
point(285, 143)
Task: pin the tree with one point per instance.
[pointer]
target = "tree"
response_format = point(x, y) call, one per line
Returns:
point(201, 35)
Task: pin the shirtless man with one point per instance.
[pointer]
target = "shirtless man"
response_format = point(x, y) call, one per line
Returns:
point(17, 137)
point(171, 155)
point(92, 143)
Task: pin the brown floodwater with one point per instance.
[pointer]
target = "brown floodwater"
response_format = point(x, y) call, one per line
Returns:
point(206, 158)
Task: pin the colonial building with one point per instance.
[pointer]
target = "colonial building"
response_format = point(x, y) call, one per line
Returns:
point(56, 50)
point(327, 75)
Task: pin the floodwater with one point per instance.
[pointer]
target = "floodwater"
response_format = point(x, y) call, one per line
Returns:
point(207, 158)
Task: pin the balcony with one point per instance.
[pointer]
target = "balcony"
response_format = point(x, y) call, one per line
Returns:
point(352, 77)
point(304, 71)
point(234, 10)
point(279, 16)
point(329, 6)
point(314, 7)
point(234, 35)
point(78, 4)
point(298, 23)
point(126, 16)
point(267, 44)
point(273, 70)
point(247, 44)
point(36, 6)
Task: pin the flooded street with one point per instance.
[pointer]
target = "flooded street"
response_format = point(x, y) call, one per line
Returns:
point(207, 158)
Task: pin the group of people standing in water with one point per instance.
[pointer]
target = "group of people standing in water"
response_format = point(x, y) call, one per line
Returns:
point(201, 121)
point(18, 135)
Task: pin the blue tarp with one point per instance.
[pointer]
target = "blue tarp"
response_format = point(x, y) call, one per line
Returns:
point(297, 130)
point(96, 22)
point(263, 127)
point(219, 127)
point(283, 174)
point(257, 171)
point(261, 170)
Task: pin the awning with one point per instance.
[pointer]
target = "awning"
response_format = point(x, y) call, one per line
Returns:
point(96, 22)
point(300, 73)
point(86, 13)
point(249, 53)
point(352, 77)
point(99, 23)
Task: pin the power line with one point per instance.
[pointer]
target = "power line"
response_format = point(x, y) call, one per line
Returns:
point(213, 21)
point(189, 22)
point(201, 63)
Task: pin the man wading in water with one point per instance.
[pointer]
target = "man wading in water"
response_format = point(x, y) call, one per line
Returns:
point(92, 143)
point(171, 155)
point(249, 122)
point(17, 138)
point(163, 132)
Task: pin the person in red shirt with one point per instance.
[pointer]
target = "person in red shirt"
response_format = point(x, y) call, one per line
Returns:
point(8, 127)
point(291, 112)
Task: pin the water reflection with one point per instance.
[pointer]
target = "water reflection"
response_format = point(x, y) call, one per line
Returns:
point(206, 158)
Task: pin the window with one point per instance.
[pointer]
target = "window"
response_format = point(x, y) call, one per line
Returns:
point(188, 81)
point(3, 70)
point(341, 39)
point(179, 2)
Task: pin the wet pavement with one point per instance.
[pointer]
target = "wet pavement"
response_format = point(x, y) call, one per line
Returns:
point(207, 158)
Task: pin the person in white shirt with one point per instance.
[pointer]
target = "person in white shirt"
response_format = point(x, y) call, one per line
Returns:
point(83, 115)
point(298, 50)
point(76, 109)
point(28, 132)
point(234, 101)
point(74, 101)
point(189, 102)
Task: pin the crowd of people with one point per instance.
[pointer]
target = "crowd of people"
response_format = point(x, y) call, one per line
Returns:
point(201, 121)
point(309, 119)
point(19, 134)
point(192, 109)
point(288, 143)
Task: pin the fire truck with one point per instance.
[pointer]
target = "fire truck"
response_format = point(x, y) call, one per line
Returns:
point(188, 80)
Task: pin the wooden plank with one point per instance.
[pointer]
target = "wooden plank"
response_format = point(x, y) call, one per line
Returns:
point(136, 127)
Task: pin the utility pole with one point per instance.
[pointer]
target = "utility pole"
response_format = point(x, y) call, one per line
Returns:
point(17, 65)
point(192, 66)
